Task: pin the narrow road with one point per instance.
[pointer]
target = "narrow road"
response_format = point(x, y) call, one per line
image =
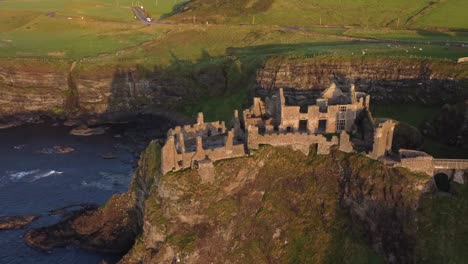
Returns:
point(140, 14)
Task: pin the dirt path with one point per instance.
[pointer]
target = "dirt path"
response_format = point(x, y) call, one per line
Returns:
point(424, 10)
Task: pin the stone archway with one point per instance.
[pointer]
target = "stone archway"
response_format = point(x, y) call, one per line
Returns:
point(442, 182)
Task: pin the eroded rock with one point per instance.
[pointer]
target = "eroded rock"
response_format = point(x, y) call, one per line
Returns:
point(16, 221)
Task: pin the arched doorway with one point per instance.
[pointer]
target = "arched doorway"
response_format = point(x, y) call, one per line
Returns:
point(442, 182)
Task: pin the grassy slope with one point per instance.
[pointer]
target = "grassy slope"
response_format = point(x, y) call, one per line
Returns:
point(80, 28)
point(363, 13)
point(107, 27)
point(70, 39)
point(111, 10)
point(445, 14)
point(443, 228)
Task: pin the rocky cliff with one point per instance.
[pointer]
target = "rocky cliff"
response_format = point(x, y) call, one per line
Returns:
point(396, 80)
point(281, 206)
point(72, 89)
point(30, 87)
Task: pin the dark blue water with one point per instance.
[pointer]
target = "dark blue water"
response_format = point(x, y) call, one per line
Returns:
point(34, 179)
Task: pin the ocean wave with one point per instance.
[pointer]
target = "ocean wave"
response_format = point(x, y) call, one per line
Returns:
point(47, 174)
point(19, 147)
point(31, 175)
point(17, 175)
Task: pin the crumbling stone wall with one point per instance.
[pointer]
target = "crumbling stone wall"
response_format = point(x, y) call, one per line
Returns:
point(383, 138)
point(345, 143)
point(200, 128)
point(335, 110)
point(173, 160)
point(300, 140)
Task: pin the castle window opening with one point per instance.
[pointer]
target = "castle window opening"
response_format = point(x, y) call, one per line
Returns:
point(322, 127)
point(261, 130)
point(288, 129)
point(343, 108)
point(303, 125)
point(341, 125)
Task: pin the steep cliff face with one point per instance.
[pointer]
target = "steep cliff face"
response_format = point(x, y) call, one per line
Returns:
point(395, 80)
point(31, 87)
point(28, 86)
point(80, 88)
point(281, 206)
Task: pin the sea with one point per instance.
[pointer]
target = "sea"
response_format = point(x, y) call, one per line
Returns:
point(42, 168)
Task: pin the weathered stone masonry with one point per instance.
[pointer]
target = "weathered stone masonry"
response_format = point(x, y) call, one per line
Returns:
point(269, 122)
point(188, 145)
point(272, 122)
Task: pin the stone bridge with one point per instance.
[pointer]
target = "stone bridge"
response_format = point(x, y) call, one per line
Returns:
point(449, 169)
point(454, 168)
point(450, 164)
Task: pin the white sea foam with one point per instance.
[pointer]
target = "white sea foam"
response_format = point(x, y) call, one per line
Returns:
point(19, 146)
point(17, 175)
point(47, 174)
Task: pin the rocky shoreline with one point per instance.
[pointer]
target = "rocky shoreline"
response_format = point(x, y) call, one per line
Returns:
point(16, 221)
point(108, 229)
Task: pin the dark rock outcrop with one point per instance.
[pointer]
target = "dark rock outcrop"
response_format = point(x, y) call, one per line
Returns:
point(16, 221)
point(112, 228)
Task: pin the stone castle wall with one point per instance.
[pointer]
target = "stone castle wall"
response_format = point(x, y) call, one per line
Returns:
point(418, 164)
point(174, 159)
point(383, 139)
point(298, 140)
point(200, 128)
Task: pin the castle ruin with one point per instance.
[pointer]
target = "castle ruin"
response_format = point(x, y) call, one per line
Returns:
point(189, 145)
point(327, 122)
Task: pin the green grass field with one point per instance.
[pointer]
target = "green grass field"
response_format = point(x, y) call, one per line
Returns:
point(91, 28)
point(444, 14)
point(112, 10)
